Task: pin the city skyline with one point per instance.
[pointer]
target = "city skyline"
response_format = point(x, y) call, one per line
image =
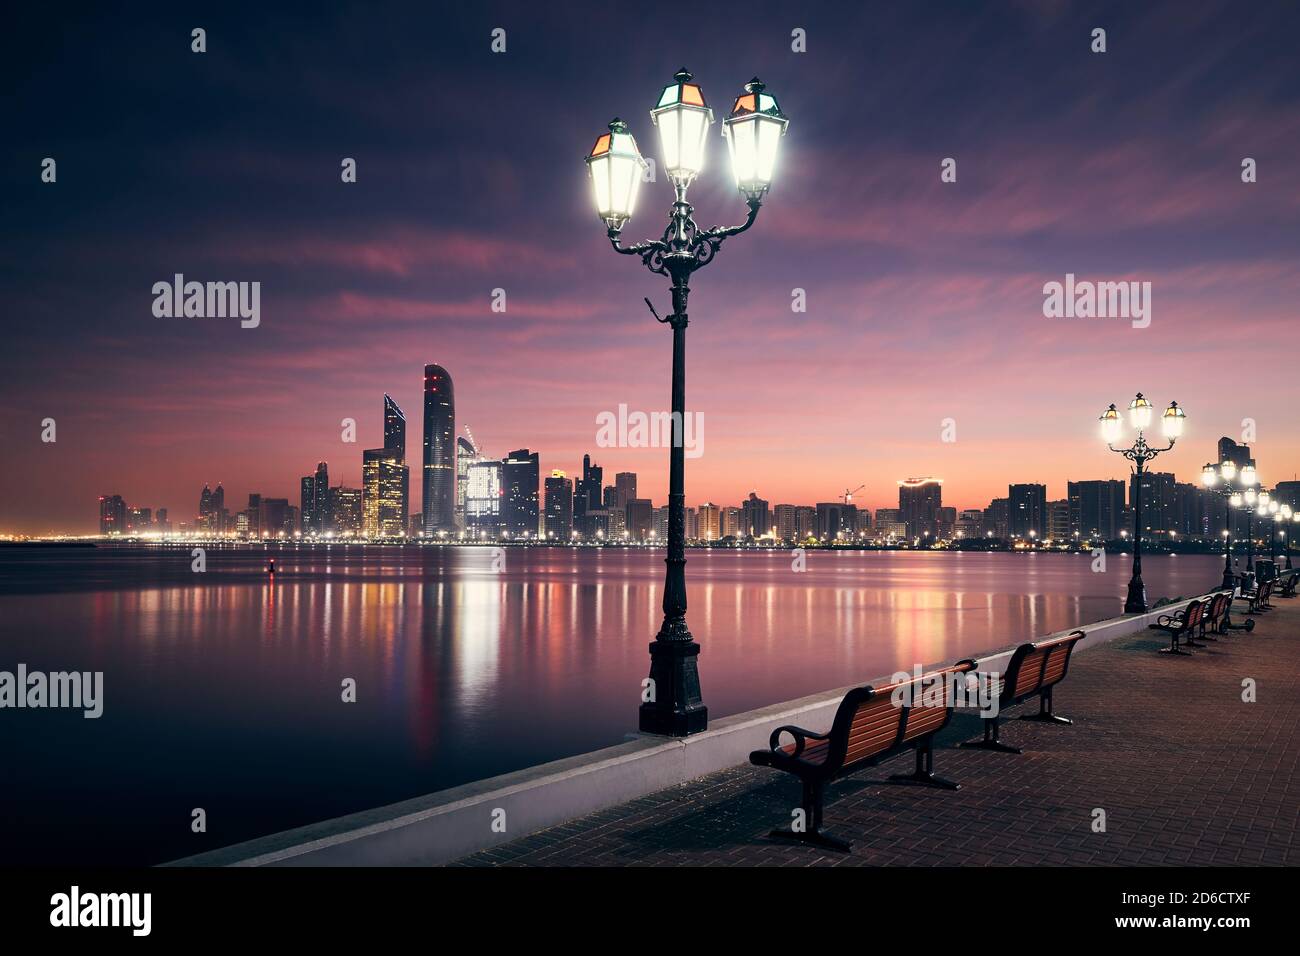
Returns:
point(1026, 511)
point(927, 310)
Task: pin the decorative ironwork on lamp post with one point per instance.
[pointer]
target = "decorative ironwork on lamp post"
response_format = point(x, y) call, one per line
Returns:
point(1230, 482)
point(1247, 500)
point(1139, 413)
point(753, 133)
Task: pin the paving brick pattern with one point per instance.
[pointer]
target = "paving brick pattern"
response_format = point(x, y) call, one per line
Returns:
point(1186, 772)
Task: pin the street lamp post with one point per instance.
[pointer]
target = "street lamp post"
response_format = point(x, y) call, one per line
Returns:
point(1139, 413)
point(753, 133)
point(1228, 481)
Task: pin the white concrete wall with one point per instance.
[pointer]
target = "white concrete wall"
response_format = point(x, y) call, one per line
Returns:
point(452, 823)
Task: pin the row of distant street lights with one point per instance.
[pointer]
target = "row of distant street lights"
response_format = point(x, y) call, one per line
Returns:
point(1237, 485)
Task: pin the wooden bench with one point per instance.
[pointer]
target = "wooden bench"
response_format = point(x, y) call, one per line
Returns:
point(1257, 598)
point(1034, 669)
point(1286, 583)
point(871, 724)
point(1181, 624)
point(1215, 619)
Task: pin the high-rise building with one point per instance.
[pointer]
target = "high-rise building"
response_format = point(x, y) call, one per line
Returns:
point(219, 518)
point(483, 498)
point(757, 519)
point(439, 476)
point(710, 522)
point(320, 507)
point(587, 495)
point(1096, 509)
point(1058, 520)
point(1157, 490)
point(624, 488)
point(805, 522)
point(466, 455)
point(384, 483)
point(783, 521)
point(112, 514)
point(394, 426)
point(919, 499)
point(1027, 511)
point(997, 518)
point(307, 497)
point(559, 507)
point(836, 520)
point(204, 521)
point(520, 477)
point(890, 523)
point(346, 510)
point(970, 523)
point(640, 518)
point(254, 512)
point(947, 521)
point(276, 517)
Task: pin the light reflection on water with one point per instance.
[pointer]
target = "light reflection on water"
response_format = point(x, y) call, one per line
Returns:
point(222, 690)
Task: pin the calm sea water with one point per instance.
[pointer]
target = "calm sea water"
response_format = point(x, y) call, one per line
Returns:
point(222, 689)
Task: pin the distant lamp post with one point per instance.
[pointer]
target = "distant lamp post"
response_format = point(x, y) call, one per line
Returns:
point(1229, 482)
point(753, 132)
point(1140, 413)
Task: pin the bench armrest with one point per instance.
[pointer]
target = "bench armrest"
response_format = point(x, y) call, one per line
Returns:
point(800, 735)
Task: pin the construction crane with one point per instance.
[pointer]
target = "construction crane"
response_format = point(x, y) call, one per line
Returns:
point(847, 497)
point(477, 451)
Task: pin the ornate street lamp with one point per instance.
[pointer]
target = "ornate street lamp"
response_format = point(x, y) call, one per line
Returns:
point(1229, 482)
point(1139, 413)
point(753, 132)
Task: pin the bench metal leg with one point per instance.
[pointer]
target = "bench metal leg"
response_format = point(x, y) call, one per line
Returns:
point(1173, 647)
point(990, 741)
point(924, 772)
point(1045, 711)
point(812, 814)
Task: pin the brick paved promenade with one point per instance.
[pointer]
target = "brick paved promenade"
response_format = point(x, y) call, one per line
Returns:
point(1186, 772)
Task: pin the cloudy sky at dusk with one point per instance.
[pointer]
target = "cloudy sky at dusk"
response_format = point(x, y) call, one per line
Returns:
point(924, 298)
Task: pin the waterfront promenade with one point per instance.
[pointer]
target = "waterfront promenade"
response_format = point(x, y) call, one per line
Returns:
point(1186, 772)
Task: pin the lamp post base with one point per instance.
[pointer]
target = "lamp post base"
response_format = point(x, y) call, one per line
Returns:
point(1229, 580)
point(1137, 597)
point(677, 709)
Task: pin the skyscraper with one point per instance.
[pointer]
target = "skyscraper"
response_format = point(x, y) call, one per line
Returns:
point(521, 478)
point(384, 481)
point(482, 488)
point(307, 497)
point(395, 444)
point(919, 499)
point(624, 488)
point(320, 510)
point(466, 455)
point(1027, 511)
point(112, 514)
point(1096, 508)
point(439, 477)
point(559, 507)
point(710, 522)
point(587, 495)
point(757, 520)
point(394, 426)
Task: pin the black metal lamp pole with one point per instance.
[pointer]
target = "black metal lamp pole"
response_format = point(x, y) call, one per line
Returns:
point(1222, 479)
point(674, 705)
point(1228, 580)
point(678, 708)
point(1250, 537)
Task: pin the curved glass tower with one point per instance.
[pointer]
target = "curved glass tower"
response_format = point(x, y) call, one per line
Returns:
point(439, 477)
